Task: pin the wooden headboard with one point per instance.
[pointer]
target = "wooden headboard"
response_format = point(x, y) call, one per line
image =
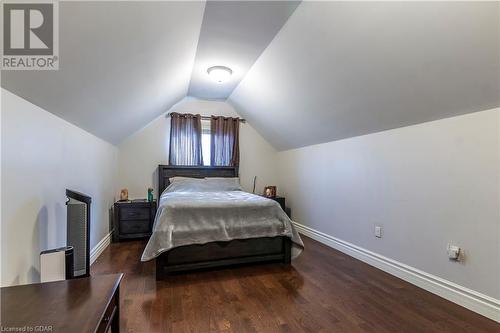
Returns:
point(168, 171)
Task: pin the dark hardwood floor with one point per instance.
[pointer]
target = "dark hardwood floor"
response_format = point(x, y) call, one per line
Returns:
point(323, 291)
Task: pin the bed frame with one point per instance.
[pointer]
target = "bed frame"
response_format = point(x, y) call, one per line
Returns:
point(216, 254)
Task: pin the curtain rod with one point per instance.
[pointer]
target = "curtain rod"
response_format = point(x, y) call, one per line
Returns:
point(208, 118)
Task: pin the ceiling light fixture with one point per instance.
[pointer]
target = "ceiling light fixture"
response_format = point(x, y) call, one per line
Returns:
point(219, 74)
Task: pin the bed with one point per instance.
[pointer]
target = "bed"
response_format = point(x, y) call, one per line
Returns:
point(198, 229)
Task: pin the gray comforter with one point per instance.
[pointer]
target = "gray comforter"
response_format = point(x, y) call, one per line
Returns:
point(186, 218)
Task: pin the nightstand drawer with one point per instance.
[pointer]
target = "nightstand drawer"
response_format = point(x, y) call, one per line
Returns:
point(133, 219)
point(135, 226)
point(135, 213)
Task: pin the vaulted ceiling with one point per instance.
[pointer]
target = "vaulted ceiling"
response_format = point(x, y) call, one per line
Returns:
point(121, 64)
point(342, 69)
point(304, 73)
point(234, 34)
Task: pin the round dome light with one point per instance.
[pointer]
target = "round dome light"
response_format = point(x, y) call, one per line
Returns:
point(219, 74)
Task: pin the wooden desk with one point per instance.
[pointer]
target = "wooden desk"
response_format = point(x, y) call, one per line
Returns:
point(82, 305)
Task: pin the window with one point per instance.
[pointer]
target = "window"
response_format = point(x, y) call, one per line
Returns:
point(185, 139)
point(191, 140)
point(205, 141)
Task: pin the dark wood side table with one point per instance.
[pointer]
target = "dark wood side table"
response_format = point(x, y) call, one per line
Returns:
point(133, 219)
point(84, 305)
point(281, 201)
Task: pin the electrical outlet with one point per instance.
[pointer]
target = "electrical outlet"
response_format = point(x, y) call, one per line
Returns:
point(378, 231)
point(454, 252)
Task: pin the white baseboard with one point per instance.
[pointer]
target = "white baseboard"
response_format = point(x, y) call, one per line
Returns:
point(470, 299)
point(100, 247)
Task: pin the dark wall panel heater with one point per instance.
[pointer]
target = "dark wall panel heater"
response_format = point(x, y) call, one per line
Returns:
point(78, 231)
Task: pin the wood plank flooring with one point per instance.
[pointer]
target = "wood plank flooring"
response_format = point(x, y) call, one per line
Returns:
point(323, 291)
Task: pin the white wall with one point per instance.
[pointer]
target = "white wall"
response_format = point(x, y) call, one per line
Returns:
point(427, 185)
point(141, 153)
point(42, 155)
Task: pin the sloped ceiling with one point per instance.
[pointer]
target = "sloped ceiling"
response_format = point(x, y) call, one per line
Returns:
point(121, 64)
point(342, 69)
point(321, 70)
point(234, 34)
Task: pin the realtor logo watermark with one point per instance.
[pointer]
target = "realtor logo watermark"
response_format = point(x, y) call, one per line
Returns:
point(30, 35)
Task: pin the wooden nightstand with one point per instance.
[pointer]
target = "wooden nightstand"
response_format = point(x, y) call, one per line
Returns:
point(281, 201)
point(133, 219)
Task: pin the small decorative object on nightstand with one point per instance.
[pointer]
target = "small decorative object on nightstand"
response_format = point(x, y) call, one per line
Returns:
point(270, 191)
point(124, 194)
point(133, 219)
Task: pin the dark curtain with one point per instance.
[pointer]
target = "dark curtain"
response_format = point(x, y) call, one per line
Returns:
point(224, 143)
point(185, 139)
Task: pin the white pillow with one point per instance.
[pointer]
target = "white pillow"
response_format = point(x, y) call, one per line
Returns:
point(178, 178)
point(187, 185)
point(224, 183)
point(205, 185)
